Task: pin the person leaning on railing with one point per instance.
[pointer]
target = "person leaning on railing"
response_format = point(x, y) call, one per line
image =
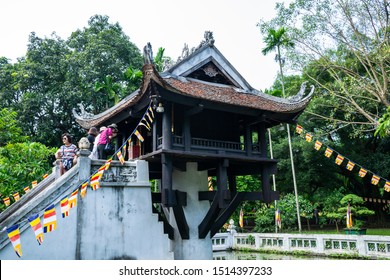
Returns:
point(67, 153)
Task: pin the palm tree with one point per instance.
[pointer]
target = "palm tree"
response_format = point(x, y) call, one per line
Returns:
point(276, 39)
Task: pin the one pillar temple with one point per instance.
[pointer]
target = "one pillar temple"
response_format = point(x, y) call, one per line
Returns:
point(205, 117)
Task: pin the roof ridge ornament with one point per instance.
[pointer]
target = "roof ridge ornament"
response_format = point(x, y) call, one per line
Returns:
point(208, 40)
point(300, 95)
point(83, 113)
point(148, 54)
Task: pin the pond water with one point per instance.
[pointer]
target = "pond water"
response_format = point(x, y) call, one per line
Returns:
point(240, 255)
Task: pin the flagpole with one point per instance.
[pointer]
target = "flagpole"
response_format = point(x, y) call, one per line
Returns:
point(273, 175)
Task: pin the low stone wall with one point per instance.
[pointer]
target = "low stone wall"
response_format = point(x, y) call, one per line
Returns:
point(322, 244)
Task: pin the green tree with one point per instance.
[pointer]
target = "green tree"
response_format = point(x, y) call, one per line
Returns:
point(357, 208)
point(56, 75)
point(265, 216)
point(347, 43)
point(21, 161)
point(275, 40)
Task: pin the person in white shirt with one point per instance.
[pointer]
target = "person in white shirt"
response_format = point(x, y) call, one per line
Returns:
point(94, 153)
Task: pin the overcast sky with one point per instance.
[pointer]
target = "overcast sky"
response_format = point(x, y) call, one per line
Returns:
point(163, 23)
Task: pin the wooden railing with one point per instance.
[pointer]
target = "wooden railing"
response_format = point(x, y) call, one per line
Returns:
point(210, 144)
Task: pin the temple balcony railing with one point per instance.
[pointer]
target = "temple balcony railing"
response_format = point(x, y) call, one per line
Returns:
point(210, 145)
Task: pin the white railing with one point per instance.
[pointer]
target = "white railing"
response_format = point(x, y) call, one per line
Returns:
point(323, 244)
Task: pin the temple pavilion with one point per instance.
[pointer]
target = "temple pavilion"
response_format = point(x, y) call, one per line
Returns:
point(206, 113)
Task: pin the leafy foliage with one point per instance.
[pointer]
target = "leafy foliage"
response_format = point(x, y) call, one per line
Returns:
point(21, 161)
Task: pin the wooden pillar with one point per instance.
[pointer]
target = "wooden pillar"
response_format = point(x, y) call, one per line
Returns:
point(167, 127)
point(167, 195)
point(248, 140)
point(222, 182)
point(187, 133)
point(262, 139)
point(155, 136)
point(265, 183)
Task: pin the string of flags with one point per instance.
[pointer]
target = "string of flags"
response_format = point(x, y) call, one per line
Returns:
point(68, 202)
point(350, 165)
point(17, 195)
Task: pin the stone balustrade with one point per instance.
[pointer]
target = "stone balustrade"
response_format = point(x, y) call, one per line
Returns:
point(374, 246)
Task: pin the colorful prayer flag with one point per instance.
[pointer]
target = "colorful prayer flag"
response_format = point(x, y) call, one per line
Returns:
point(65, 207)
point(7, 201)
point(95, 182)
point(101, 170)
point(317, 145)
point(328, 152)
point(308, 137)
point(26, 189)
point(241, 221)
point(124, 150)
point(73, 198)
point(299, 129)
point(107, 164)
point(277, 218)
point(120, 157)
point(16, 196)
point(339, 159)
point(34, 184)
point(83, 189)
point(49, 219)
point(349, 217)
point(387, 186)
point(14, 236)
point(139, 136)
point(362, 172)
point(375, 180)
point(210, 183)
point(146, 124)
point(45, 176)
point(149, 117)
point(151, 111)
point(350, 165)
point(36, 226)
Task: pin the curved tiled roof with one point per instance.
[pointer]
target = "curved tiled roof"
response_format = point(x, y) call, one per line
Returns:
point(232, 96)
point(201, 90)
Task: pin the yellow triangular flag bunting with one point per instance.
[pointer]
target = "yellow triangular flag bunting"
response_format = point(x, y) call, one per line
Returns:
point(241, 221)
point(120, 157)
point(387, 186)
point(375, 180)
point(83, 189)
point(308, 137)
point(350, 165)
point(14, 237)
point(73, 199)
point(151, 111)
point(362, 172)
point(26, 189)
point(7, 201)
point(339, 159)
point(65, 207)
point(149, 117)
point(49, 219)
point(16, 196)
point(95, 184)
point(34, 184)
point(299, 129)
point(317, 145)
point(139, 135)
point(107, 164)
point(328, 152)
point(146, 124)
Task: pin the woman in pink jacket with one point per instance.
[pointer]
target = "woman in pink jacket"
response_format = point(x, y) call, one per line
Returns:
point(104, 138)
